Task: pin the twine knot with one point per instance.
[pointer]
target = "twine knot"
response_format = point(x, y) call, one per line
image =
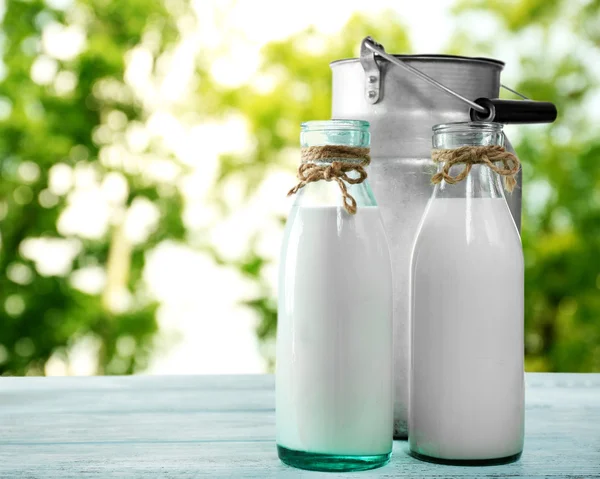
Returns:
point(336, 170)
point(477, 155)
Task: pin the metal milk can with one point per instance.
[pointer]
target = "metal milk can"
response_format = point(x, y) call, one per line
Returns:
point(403, 96)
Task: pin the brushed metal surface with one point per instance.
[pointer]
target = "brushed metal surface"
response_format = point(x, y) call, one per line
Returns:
point(401, 167)
point(368, 50)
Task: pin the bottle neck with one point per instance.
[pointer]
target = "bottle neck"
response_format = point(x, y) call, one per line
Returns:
point(481, 182)
point(326, 142)
point(329, 193)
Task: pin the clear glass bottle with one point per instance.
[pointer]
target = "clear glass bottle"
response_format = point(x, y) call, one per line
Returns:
point(334, 336)
point(467, 379)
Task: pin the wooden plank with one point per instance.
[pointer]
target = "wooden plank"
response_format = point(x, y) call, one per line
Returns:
point(252, 460)
point(187, 426)
point(223, 426)
point(120, 401)
point(137, 383)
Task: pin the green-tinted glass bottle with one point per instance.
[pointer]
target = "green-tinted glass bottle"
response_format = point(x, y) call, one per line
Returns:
point(334, 336)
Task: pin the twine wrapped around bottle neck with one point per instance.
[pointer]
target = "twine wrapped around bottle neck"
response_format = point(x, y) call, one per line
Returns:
point(328, 170)
point(477, 155)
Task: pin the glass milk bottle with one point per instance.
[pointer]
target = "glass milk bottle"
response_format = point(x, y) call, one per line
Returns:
point(334, 335)
point(467, 379)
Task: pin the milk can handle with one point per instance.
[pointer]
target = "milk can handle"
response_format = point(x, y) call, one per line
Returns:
point(483, 109)
point(515, 111)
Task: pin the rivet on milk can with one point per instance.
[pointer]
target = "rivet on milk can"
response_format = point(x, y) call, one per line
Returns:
point(403, 97)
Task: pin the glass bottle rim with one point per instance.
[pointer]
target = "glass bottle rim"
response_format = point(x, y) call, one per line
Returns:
point(465, 126)
point(336, 124)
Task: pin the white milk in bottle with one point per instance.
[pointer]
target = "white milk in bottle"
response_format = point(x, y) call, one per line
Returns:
point(334, 337)
point(467, 380)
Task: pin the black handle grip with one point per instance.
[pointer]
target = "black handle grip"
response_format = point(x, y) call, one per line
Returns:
point(515, 111)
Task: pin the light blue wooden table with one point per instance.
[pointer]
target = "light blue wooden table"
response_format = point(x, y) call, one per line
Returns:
point(224, 426)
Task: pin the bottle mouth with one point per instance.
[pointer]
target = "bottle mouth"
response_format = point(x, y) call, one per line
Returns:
point(322, 125)
point(468, 126)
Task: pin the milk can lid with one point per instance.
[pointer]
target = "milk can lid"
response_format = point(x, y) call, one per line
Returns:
point(430, 57)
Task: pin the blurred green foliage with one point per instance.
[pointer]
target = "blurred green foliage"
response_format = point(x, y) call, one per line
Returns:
point(46, 124)
point(561, 173)
point(44, 314)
